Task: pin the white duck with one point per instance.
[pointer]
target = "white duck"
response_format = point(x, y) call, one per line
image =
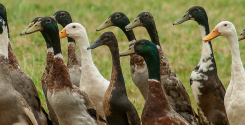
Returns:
point(235, 93)
point(92, 82)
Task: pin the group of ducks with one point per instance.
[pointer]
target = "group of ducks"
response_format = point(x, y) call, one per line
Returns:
point(77, 93)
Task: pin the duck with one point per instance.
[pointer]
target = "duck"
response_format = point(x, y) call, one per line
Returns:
point(233, 101)
point(204, 80)
point(175, 91)
point(241, 36)
point(22, 82)
point(48, 68)
point(74, 60)
point(117, 107)
point(91, 79)
point(138, 68)
point(79, 109)
point(13, 106)
point(157, 110)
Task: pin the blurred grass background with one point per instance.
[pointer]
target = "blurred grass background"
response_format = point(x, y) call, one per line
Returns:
point(181, 44)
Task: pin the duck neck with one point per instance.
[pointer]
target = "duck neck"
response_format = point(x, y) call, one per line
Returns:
point(4, 39)
point(129, 34)
point(70, 40)
point(152, 31)
point(155, 91)
point(235, 52)
point(207, 50)
point(116, 74)
point(86, 58)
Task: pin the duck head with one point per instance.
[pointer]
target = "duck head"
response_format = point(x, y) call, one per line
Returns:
point(224, 28)
point(118, 19)
point(143, 19)
point(195, 13)
point(107, 38)
point(62, 17)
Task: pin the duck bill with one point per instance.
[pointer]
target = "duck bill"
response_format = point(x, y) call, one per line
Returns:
point(23, 32)
point(182, 19)
point(213, 34)
point(54, 17)
point(63, 33)
point(96, 44)
point(136, 22)
point(127, 52)
point(34, 28)
point(241, 37)
point(106, 24)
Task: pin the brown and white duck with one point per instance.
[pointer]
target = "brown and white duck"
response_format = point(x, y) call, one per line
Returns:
point(14, 108)
point(175, 91)
point(71, 105)
point(49, 65)
point(74, 60)
point(157, 110)
point(138, 68)
point(117, 107)
point(204, 80)
point(22, 82)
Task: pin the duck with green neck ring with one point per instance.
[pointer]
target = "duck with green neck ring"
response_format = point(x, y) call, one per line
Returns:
point(157, 110)
point(175, 91)
point(138, 68)
point(48, 68)
point(79, 109)
point(117, 107)
point(204, 80)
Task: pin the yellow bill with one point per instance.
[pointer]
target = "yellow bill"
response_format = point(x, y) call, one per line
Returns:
point(34, 28)
point(213, 34)
point(62, 33)
point(136, 22)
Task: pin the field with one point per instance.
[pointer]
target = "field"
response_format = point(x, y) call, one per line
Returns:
point(181, 44)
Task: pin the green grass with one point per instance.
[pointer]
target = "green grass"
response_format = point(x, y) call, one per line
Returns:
point(181, 44)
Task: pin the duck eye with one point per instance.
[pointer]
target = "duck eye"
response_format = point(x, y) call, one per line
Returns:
point(146, 15)
point(73, 26)
point(197, 9)
point(142, 44)
point(225, 25)
point(62, 14)
point(48, 21)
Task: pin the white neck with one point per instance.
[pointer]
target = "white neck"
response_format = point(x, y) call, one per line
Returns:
point(206, 50)
point(59, 55)
point(4, 42)
point(235, 52)
point(86, 56)
point(50, 50)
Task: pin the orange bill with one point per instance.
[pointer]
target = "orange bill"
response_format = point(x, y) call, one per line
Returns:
point(214, 33)
point(62, 33)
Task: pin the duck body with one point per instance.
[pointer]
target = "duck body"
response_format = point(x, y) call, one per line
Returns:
point(233, 101)
point(204, 79)
point(74, 60)
point(62, 95)
point(138, 68)
point(175, 91)
point(117, 107)
point(22, 82)
point(14, 108)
